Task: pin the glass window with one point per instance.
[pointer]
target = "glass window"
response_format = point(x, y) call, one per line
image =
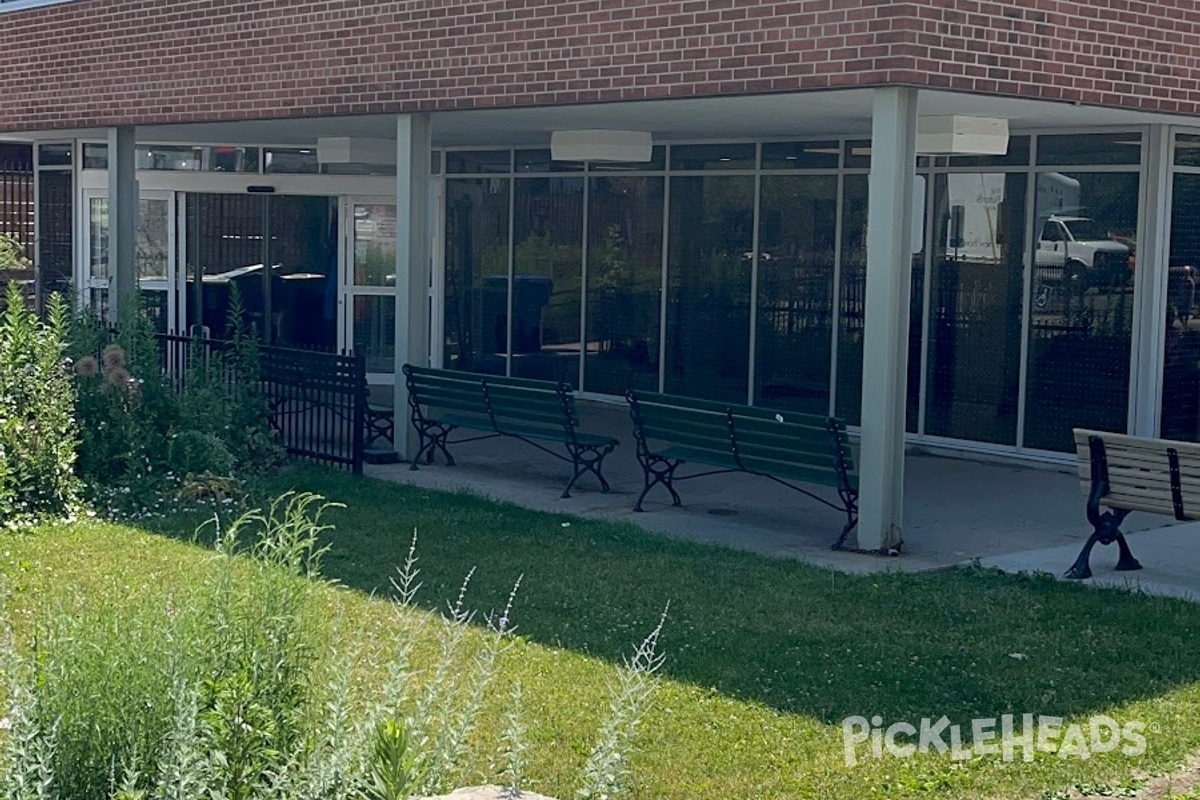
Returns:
point(1017, 155)
point(1181, 367)
point(95, 156)
point(853, 310)
point(55, 224)
point(1187, 150)
point(708, 286)
point(374, 244)
point(712, 156)
point(1082, 306)
point(797, 246)
point(476, 258)
point(540, 161)
point(624, 275)
point(976, 294)
point(292, 160)
point(98, 237)
point(657, 163)
point(303, 290)
point(151, 246)
point(153, 242)
point(225, 240)
point(1090, 148)
point(858, 154)
point(547, 291)
point(374, 327)
point(188, 158)
point(54, 155)
point(489, 161)
point(801, 155)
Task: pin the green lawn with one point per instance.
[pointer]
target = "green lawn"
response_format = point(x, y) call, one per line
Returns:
point(764, 657)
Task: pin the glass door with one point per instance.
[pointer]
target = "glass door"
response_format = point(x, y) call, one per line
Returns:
point(277, 254)
point(368, 301)
point(154, 253)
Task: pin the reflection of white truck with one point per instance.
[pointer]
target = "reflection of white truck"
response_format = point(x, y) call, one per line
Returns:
point(1081, 251)
point(1073, 248)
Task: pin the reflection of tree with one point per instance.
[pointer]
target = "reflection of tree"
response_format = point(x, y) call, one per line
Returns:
point(609, 266)
point(376, 266)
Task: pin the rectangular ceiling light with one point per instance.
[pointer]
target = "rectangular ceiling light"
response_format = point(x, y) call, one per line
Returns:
point(958, 135)
point(598, 145)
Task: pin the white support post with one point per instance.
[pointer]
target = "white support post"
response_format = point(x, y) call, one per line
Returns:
point(413, 147)
point(1150, 287)
point(885, 338)
point(122, 219)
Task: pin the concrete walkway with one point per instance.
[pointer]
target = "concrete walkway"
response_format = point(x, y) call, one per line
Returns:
point(1013, 517)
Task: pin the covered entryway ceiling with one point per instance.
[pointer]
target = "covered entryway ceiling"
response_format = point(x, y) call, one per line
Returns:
point(834, 112)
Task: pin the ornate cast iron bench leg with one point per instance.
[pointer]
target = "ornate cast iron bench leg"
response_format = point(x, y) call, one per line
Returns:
point(588, 459)
point(431, 436)
point(656, 470)
point(850, 501)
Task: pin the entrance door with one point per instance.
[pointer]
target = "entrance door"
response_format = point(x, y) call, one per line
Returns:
point(275, 254)
point(368, 299)
point(154, 252)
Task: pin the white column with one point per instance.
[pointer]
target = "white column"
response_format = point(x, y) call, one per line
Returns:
point(122, 218)
point(1150, 287)
point(413, 148)
point(885, 337)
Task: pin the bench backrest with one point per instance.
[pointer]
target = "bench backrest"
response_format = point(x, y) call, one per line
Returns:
point(756, 435)
point(505, 402)
point(1139, 473)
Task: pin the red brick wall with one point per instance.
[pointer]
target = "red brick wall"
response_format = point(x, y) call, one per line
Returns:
point(1141, 54)
point(98, 62)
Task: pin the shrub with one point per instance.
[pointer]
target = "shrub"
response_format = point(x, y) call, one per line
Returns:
point(37, 414)
point(147, 435)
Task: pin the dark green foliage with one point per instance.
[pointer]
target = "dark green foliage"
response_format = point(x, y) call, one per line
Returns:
point(145, 432)
point(37, 414)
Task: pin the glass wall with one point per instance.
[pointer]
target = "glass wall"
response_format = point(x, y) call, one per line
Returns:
point(624, 283)
point(1081, 326)
point(975, 296)
point(477, 261)
point(372, 285)
point(796, 266)
point(230, 237)
point(1181, 364)
point(737, 272)
point(709, 252)
point(547, 285)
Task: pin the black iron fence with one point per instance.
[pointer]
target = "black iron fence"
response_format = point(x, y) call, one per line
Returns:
point(316, 401)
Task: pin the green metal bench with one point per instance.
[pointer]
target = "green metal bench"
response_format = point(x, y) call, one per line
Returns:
point(788, 448)
point(442, 401)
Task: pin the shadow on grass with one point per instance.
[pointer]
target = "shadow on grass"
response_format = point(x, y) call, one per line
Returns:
point(960, 643)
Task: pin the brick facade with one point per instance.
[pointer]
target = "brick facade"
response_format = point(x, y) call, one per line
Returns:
point(101, 62)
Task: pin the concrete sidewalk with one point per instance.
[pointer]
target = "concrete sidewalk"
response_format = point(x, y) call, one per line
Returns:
point(956, 510)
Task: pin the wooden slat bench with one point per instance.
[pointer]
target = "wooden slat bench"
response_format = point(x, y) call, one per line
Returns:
point(442, 401)
point(1132, 473)
point(786, 447)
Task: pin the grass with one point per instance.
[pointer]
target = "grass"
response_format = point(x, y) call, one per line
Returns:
point(764, 657)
